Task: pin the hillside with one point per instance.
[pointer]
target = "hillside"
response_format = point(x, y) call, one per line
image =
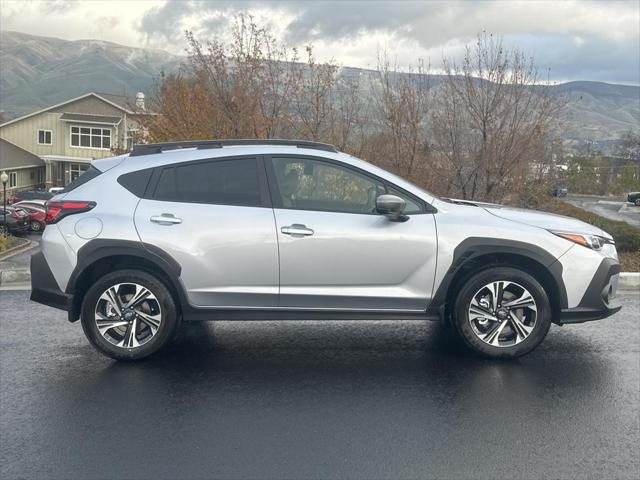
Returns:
point(39, 71)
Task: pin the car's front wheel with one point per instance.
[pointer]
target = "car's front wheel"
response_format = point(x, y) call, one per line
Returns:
point(637, 202)
point(502, 312)
point(129, 315)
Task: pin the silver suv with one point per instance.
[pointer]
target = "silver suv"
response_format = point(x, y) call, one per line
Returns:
point(238, 230)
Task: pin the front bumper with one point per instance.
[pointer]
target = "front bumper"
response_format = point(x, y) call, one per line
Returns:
point(599, 300)
point(44, 288)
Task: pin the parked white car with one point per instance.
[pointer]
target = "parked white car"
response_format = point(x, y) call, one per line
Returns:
point(297, 230)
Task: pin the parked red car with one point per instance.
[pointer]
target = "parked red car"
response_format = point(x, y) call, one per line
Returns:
point(36, 212)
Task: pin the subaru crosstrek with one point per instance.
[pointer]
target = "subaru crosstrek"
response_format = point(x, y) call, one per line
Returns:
point(240, 230)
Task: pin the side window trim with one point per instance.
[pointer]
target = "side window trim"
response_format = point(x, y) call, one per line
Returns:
point(276, 196)
point(265, 198)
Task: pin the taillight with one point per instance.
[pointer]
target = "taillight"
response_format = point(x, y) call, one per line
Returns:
point(57, 210)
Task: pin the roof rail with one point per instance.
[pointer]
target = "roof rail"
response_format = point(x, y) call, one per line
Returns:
point(151, 148)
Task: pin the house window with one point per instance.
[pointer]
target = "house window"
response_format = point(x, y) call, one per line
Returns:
point(44, 137)
point(13, 179)
point(77, 169)
point(89, 137)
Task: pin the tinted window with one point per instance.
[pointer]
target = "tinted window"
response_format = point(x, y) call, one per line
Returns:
point(136, 182)
point(89, 174)
point(308, 184)
point(224, 182)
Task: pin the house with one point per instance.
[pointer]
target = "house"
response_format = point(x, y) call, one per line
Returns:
point(25, 170)
point(64, 138)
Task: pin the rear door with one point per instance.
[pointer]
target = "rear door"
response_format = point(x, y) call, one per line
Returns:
point(214, 218)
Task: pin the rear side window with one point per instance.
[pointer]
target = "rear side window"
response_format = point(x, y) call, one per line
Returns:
point(136, 182)
point(222, 182)
point(89, 174)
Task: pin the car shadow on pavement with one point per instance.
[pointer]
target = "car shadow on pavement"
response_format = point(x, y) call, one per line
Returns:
point(383, 357)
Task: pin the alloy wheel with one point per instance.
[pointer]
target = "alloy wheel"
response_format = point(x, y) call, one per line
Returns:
point(128, 315)
point(502, 313)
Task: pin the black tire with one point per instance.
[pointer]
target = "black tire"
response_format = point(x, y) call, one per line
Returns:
point(637, 202)
point(36, 226)
point(463, 300)
point(165, 332)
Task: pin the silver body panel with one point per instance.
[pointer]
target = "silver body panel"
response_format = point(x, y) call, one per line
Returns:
point(356, 261)
point(228, 254)
point(238, 257)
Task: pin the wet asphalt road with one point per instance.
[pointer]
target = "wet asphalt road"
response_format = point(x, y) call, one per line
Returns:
point(317, 400)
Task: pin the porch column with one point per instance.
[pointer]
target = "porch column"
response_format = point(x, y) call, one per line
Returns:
point(48, 177)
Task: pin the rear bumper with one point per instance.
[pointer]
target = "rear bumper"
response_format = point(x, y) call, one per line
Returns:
point(599, 300)
point(18, 227)
point(44, 288)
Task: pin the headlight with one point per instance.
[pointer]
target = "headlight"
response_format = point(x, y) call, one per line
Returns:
point(593, 242)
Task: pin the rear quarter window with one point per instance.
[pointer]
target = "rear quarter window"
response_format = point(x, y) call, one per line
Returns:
point(91, 173)
point(136, 182)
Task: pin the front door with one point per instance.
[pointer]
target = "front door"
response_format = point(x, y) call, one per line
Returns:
point(336, 252)
point(214, 218)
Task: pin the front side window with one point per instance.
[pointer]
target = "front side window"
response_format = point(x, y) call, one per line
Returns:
point(221, 182)
point(308, 184)
point(90, 137)
point(44, 137)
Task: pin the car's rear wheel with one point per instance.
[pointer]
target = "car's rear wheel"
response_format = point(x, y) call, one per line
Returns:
point(129, 315)
point(637, 202)
point(502, 312)
point(36, 226)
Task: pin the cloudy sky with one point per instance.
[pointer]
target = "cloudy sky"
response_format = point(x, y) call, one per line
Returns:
point(588, 40)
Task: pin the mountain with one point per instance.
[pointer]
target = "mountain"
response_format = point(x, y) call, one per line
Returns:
point(36, 72)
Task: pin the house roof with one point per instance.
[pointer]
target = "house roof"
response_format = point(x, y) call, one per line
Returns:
point(13, 157)
point(87, 118)
point(117, 101)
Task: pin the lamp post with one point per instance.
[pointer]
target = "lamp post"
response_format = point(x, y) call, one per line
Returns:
point(3, 178)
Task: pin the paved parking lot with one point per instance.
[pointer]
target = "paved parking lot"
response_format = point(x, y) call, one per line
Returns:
point(317, 400)
point(613, 208)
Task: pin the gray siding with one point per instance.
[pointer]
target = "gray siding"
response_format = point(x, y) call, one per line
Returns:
point(24, 133)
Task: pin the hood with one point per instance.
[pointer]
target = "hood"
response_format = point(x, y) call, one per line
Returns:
point(548, 221)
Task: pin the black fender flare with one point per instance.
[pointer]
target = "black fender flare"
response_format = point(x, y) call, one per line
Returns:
point(473, 247)
point(98, 249)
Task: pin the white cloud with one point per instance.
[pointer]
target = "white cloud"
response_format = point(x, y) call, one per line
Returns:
point(573, 38)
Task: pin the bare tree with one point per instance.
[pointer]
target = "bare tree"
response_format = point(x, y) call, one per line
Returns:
point(492, 120)
point(348, 115)
point(183, 110)
point(312, 102)
point(401, 103)
point(251, 79)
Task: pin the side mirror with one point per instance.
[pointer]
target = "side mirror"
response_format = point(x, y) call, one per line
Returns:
point(392, 207)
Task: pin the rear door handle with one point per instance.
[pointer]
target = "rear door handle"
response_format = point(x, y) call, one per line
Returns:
point(166, 219)
point(297, 230)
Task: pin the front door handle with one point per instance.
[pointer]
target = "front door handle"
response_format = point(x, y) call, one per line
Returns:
point(166, 219)
point(297, 230)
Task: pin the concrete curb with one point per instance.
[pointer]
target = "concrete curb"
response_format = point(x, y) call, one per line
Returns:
point(12, 277)
point(628, 281)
